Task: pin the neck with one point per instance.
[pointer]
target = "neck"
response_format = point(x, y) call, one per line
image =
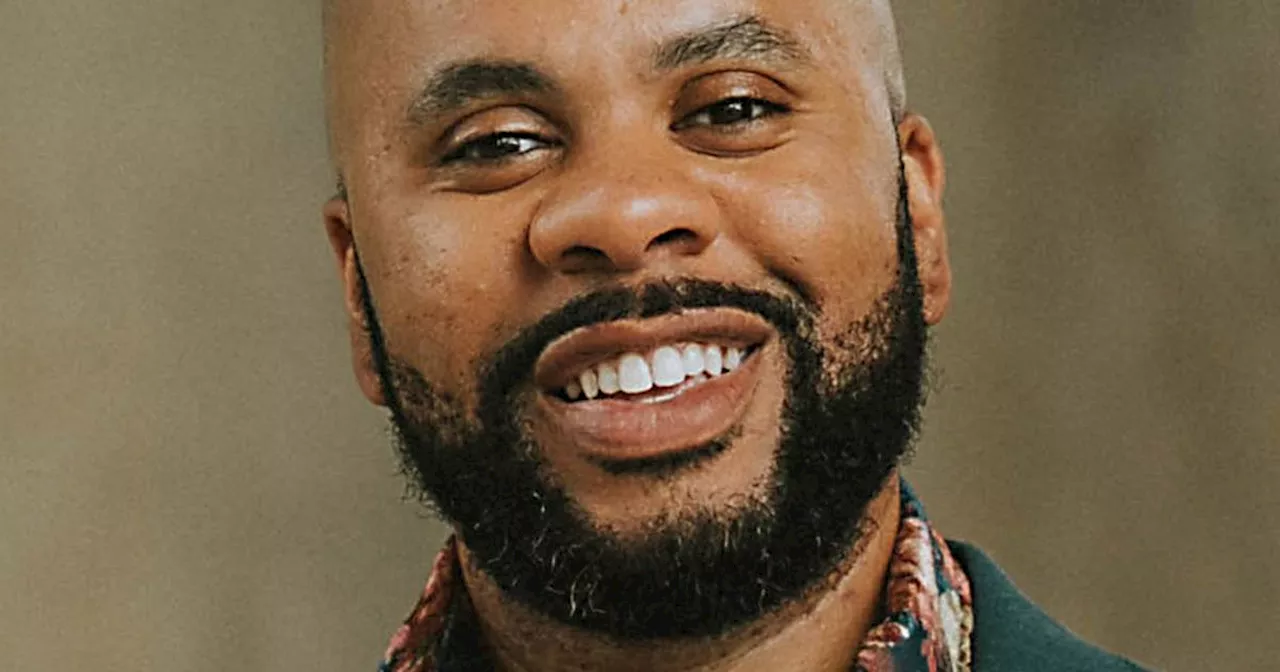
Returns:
point(820, 633)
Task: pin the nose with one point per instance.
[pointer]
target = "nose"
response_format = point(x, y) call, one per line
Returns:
point(622, 213)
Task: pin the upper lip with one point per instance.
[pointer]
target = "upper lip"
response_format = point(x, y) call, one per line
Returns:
point(569, 355)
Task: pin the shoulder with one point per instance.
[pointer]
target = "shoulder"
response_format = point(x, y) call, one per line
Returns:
point(1011, 633)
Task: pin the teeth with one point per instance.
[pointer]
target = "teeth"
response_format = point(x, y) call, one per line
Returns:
point(607, 377)
point(692, 359)
point(712, 360)
point(633, 374)
point(590, 386)
point(668, 368)
point(732, 358)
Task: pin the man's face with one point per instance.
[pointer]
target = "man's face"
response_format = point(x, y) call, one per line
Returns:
point(548, 196)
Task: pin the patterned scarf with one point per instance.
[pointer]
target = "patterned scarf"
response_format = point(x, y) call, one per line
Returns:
point(926, 597)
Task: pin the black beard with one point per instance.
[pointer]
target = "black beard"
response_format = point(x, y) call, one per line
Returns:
point(848, 420)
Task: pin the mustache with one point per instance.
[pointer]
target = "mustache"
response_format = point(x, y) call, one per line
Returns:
point(515, 360)
point(502, 374)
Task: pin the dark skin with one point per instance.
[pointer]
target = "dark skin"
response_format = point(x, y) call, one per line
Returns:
point(573, 167)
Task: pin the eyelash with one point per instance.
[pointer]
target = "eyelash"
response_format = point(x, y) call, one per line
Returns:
point(766, 108)
point(460, 155)
point(757, 109)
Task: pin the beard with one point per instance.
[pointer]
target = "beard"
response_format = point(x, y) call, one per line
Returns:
point(850, 416)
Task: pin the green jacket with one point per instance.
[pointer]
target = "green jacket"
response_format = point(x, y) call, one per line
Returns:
point(1010, 634)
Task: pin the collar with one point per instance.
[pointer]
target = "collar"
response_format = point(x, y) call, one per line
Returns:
point(927, 600)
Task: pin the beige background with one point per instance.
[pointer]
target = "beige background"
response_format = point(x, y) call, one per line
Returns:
point(190, 481)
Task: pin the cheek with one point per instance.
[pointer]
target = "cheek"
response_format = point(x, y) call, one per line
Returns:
point(444, 284)
point(829, 233)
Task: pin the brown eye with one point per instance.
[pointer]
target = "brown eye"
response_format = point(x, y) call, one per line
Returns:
point(496, 147)
point(731, 112)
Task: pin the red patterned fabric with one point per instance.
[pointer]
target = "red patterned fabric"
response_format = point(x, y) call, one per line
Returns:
point(412, 648)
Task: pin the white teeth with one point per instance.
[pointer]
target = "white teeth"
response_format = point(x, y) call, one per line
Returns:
point(668, 368)
point(732, 358)
point(607, 377)
point(633, 374)
point(712, 360)
point(692, 359)
point(590, 386)
point(573, 390)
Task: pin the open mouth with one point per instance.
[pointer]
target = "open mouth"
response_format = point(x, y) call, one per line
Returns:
point(636, 392)
point(657, 376)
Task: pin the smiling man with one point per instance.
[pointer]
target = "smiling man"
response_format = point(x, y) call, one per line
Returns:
point(645, 287)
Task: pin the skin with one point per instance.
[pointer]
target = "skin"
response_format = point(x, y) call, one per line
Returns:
point(623, 181)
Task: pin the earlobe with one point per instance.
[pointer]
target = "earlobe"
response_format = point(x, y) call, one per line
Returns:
point(337, 222)
point(926, 181)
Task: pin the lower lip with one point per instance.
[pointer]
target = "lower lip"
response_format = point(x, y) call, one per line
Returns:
point(613, 430)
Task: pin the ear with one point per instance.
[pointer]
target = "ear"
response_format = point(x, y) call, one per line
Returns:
point(337, 224)
point(926, 181)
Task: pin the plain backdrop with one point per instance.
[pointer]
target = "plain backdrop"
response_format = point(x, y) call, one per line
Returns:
point(189, 479)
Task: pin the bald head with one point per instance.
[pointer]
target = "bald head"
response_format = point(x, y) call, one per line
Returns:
point(884, 34)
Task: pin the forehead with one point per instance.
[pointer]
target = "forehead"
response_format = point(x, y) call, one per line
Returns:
point(381, 48)
point(454, 28)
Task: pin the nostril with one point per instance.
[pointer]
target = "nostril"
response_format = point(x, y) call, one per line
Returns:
point(684, 236)
point(583, 257)
point(627, 255)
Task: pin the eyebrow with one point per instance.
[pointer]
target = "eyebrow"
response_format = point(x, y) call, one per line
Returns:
point(459, 84)
point(748, 38)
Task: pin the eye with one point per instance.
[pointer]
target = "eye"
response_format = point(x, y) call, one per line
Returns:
point(731, 112)
point(496, 148)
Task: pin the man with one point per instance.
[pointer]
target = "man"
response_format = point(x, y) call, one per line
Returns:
point(645, 287)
